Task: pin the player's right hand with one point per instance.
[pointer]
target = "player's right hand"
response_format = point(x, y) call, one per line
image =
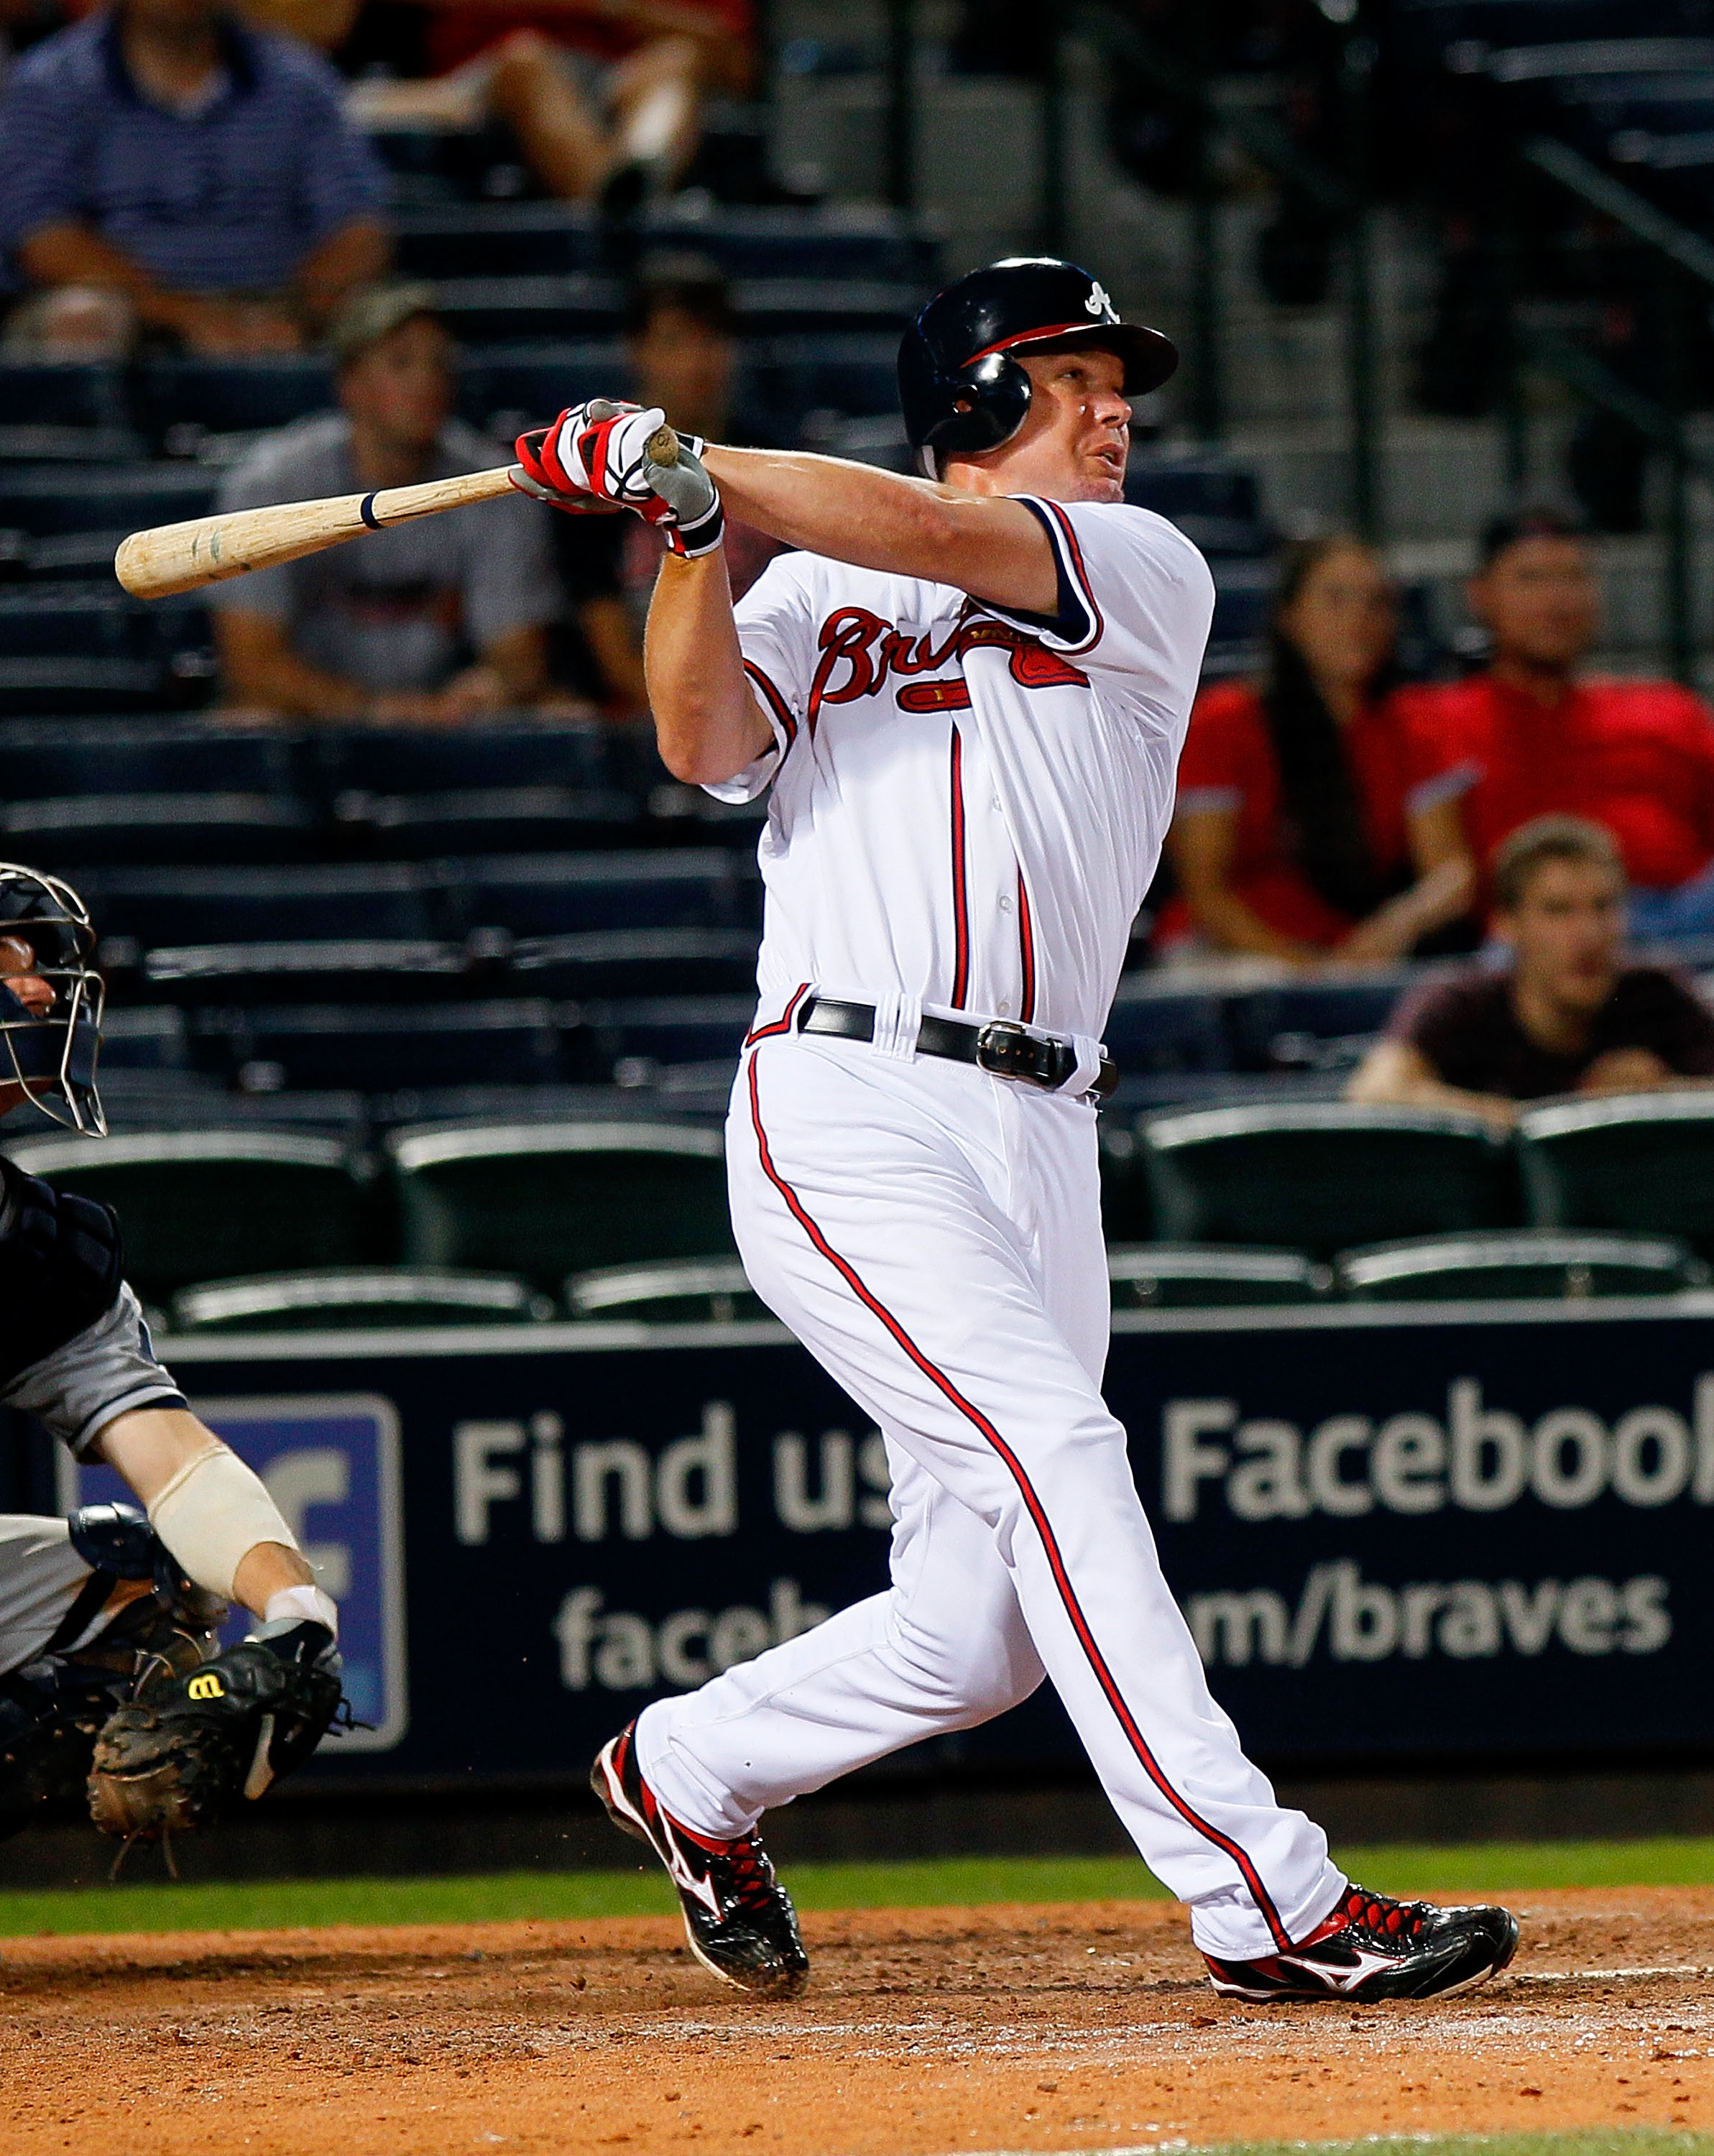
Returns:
point(595, 454)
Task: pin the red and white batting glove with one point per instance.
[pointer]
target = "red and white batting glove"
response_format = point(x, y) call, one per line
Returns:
point(596, 455)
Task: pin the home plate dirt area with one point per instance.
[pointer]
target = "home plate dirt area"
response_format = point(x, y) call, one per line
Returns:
point(1080, 2026)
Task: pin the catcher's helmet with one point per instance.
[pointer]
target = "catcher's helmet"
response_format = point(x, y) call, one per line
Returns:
point(961, 388)
point(52, 1052)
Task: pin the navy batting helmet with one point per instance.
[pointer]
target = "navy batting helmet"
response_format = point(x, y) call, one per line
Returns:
point(50, 1048)
point(961, 390)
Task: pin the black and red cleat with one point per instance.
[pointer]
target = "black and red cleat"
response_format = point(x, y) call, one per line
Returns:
point(1373, 1948)
point(738, 1919)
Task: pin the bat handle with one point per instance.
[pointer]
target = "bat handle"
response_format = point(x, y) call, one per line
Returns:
point(662, 447)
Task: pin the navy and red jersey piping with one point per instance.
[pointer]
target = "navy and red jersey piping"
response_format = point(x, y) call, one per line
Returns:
point(1033, 1505)
point(776, 704)
point(1076, 618)
point(782, 1023)
point(1026, 952)
point(960, 894)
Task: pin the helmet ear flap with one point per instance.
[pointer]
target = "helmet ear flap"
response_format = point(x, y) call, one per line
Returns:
point(982, 405)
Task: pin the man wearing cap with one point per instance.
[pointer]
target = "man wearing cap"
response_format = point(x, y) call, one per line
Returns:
point(433, 622)
point(967, 693)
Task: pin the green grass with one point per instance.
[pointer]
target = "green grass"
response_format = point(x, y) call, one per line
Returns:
point(1481, 1868)
point(1590, 2141)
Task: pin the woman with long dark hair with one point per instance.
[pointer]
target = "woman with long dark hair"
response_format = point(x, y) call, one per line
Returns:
point(1312, 825)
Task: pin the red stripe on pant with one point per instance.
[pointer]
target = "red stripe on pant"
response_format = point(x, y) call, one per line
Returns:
point(1079, 1623)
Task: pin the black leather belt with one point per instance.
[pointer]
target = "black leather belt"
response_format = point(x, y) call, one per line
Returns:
point(1002, 1047)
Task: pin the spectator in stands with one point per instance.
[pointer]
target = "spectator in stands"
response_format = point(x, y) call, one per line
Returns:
point(1309, 827)
point(431, 623)
point(1537, 737)
point(1568, 1017)
point(682, 340)
point(605, 96)
point(168, 156)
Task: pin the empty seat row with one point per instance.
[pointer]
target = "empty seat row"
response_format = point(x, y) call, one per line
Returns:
point(1324, 1177)
point(1532, 1266)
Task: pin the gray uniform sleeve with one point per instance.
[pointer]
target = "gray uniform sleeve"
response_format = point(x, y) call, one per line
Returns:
point(106, 1370)
point(508, 577)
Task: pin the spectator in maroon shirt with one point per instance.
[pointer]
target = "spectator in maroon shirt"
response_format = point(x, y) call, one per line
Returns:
point(1570, 1016)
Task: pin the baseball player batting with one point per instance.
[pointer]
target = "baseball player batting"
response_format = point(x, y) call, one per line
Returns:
point(968, 693)
point(114, 1697)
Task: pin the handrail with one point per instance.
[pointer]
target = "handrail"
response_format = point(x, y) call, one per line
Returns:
point(1594, 379)
point(1635, 213)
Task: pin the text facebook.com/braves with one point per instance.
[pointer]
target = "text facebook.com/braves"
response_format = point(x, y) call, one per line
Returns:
point(1475, 1455)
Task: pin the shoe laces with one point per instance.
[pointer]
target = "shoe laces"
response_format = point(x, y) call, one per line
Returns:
point(1389, 1922)
point(749, 1872)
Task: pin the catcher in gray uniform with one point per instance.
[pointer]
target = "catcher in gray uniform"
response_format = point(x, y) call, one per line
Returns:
point(113, 1695)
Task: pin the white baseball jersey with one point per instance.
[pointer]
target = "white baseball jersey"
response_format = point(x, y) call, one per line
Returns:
point(967, 808)
point(968, 804)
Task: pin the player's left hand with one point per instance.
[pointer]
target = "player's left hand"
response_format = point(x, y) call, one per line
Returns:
point(190, 1745)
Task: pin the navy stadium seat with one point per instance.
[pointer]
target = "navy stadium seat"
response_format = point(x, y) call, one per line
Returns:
point(1155, 1028)
point(1212, 499)
point(375, 1047)
point(183, 397)
point(410, 761)
point(50, 393)
point(45, 499)
point(552, 895)
point(505, 388)
point(1311, 1024)
point(364, 971)
point(151, 1038)
point(149, 907)
point(498, 239)
point(131, 756)
point(512, 310)
point(114, 828)
point(637, 962)
point(627, 1039)
point(75, 686)
point(31, 444)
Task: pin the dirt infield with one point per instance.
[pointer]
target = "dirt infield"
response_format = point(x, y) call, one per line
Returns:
point(1073, 2027)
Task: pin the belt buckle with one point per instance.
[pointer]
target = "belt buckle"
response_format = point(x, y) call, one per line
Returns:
point(1006, 1050)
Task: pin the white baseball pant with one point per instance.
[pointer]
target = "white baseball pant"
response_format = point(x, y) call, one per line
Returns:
point(933, 1234)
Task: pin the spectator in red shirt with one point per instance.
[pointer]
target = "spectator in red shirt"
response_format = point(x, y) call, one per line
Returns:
point(605, 96)
point(1568, 1015)
point(1537, 740)
point(1310, 827)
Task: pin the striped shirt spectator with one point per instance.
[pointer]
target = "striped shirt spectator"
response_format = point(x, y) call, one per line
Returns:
point(185, 174)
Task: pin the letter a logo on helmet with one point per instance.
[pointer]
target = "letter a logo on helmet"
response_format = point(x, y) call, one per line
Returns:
point(961, 387)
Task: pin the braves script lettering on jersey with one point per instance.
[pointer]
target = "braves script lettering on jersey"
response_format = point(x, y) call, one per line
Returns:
point(966, 810)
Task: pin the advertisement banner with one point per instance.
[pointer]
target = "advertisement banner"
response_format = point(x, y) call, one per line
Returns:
point(1393, 1532)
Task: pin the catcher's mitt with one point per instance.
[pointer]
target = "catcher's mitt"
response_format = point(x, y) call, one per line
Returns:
point(188, 1745)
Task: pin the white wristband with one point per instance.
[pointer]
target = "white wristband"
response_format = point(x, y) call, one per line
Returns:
point(309, 1603)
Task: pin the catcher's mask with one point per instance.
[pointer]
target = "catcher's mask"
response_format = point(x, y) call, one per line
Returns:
point(51, 1053)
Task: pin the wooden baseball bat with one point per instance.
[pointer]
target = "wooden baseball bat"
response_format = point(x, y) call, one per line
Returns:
point(207, 550)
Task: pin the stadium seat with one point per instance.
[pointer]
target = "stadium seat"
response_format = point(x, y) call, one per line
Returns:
point(149, 1036)
point(498, 239)
point(35, 443)
point(152, 908)
point(200, 1203)
point(1154, 1028)
point(1322, 1176)
point(1536, 1263)
point(1191, 1276)
point(1212, 499)
point(841, 240)
point(422, 826)
point(1127, 1211)
point(366, 971)
point(50, 498)
point(378, 1047)
point(141, 756)
point(547, 1200)
point(346, 1297)
point(41, 687)
point(667, 1291)
point(647, 961)
point(66, 621)
point(51, 393)
point(1643, 1161)
point(625, 1039)
point(503, 388)
point(439, 760)
point(851, 376)
point(181, 399)
point(106, 829)
point(1313, 1025)
point(513, 309)
point(557, 894)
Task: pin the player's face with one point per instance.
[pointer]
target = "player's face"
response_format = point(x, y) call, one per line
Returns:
point(1568, 932)
point(1540, 603)
point(1076, 435)
point(31, 991)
